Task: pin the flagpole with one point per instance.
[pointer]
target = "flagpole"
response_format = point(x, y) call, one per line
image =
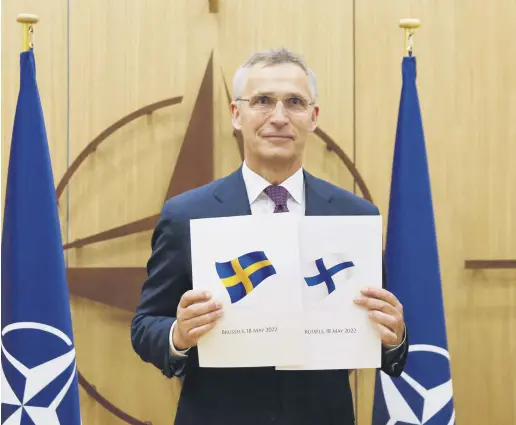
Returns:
point(27, 22)
point(410, 26)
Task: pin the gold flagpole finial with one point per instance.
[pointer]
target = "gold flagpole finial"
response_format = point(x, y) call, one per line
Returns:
point(214, 6)
point(27, 22)
point(410, 26)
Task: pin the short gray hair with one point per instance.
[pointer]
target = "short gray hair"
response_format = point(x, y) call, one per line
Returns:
point(269, 58)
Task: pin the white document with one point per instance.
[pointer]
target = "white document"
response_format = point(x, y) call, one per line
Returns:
point(339, 257)
point(250, 264)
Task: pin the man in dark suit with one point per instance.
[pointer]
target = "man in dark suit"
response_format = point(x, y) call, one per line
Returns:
point(275, 109)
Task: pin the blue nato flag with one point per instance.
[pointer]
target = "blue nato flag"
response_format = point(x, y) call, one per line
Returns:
point(39, 377)
point(423, 394)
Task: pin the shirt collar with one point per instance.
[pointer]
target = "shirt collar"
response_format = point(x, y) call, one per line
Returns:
point(256, 184)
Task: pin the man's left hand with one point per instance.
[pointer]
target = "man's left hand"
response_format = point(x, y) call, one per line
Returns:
point(386, 311)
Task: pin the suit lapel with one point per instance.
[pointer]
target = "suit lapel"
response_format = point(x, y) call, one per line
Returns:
point(318, 197)
point(231, 195)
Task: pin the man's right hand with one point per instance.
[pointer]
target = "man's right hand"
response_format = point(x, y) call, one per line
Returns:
point(197, 314)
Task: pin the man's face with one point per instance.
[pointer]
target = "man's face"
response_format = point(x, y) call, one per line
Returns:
point(275, 135)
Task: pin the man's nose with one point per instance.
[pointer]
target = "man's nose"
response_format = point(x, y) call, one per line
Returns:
point(279, 118)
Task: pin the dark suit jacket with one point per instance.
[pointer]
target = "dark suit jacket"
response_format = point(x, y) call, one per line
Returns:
point(239, 396)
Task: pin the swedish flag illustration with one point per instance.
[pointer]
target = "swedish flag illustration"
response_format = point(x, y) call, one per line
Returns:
point(241, 275)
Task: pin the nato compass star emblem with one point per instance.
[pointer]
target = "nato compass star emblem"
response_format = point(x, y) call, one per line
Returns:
point(421, 398)
point(35, 381)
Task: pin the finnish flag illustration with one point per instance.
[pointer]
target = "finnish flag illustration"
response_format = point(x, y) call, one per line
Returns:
point(325, 274)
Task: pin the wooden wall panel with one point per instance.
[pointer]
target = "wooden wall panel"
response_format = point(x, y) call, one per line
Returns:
point(466, 81)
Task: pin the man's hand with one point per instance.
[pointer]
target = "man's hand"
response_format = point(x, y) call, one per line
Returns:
point(385, 310)
point(197, 313)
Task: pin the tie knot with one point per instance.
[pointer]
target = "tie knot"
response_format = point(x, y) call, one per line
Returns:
point(279, 196)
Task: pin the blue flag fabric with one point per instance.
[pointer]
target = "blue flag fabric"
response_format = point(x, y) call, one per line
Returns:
point(423, 394)
point(39, 378)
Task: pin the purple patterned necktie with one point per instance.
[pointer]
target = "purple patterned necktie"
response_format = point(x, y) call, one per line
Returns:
point(279, 196)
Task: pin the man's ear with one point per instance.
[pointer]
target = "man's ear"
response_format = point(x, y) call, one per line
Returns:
point(315, 116)
point(235, 116)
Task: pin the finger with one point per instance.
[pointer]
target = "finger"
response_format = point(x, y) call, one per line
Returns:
point(203, 319)
point(196, 333)
point(198, 309)
point(388, 337)
point(381, 294)
point(375, 304)
point(193, 296)
point(386, 320)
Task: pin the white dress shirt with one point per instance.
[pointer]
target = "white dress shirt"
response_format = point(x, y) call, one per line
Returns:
point(261, 204)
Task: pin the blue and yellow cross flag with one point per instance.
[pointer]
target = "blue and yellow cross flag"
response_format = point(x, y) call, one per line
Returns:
point(241, 275)
point(39, 376)
point(423, 394)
